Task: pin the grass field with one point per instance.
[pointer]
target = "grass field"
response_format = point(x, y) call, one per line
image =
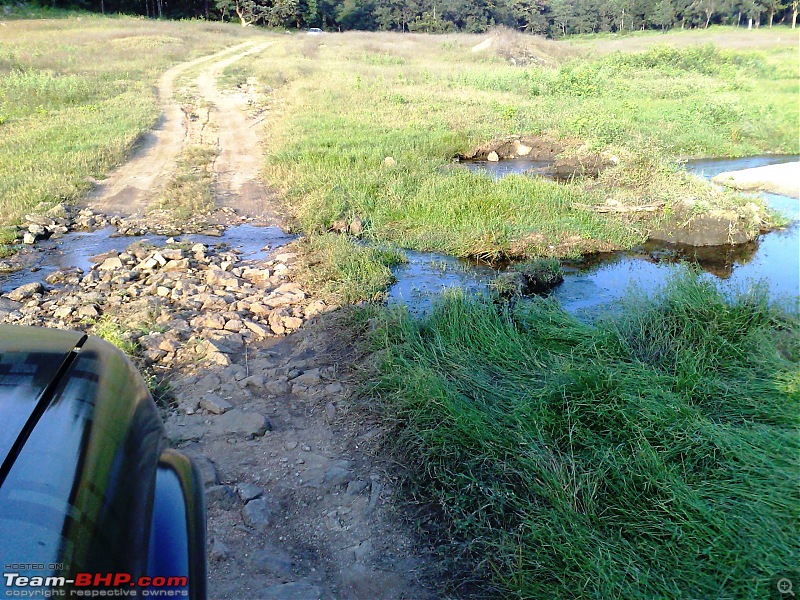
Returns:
point(423, 100)
point(75, 94)
point(651, 455)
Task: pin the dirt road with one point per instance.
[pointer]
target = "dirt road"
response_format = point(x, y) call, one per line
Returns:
point(302, 510)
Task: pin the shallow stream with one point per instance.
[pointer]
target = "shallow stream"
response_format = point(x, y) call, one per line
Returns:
point(590, 285)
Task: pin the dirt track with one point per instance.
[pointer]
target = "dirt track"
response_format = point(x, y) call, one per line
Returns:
point(305, 510)
point(129, 190)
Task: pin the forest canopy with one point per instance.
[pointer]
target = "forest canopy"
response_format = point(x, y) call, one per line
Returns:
point(554, 18)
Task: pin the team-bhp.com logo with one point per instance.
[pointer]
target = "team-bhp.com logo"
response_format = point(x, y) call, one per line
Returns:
point(94, 585)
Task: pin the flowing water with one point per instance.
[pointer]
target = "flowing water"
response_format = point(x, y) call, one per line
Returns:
point(76, 249)
point(592, 285)
point(589, 286)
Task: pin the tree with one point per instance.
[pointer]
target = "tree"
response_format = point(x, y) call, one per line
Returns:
point(771, 7)
point(248, 11)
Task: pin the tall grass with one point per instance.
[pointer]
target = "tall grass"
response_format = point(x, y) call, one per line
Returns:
point(651, 455)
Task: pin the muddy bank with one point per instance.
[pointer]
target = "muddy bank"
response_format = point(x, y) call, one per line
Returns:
point(543, 151)
point(783, 179)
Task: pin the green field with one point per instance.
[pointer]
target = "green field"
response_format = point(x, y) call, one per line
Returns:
point(75, 94)
point(343, 103)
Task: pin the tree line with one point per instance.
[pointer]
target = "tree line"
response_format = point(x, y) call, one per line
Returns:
point(554, 18)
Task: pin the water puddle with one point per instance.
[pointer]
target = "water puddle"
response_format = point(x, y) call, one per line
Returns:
point(590, 286)
point(517, 166)
point(75, 249)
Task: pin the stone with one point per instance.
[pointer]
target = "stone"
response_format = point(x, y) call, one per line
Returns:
point(234, 325)
point(276, 323)
point(237, 421)
point(208, 472)
point(330, 411)
point(257, 514)
point(310, 377)
point(28, 238)
point(493, 156)
point(88, 311)
point(24, 292)
point(278, 387)
point(110, 264)
point(62, 312)
point(336, 476)
point(219, 551)
point(222, 497)
point(389, 161)
point(334, 388)
point(356, 487)
point(208, 321)
point(248, 491)
point(356, 226)
point(275, 561)
point(215, 404)
point(292, 323)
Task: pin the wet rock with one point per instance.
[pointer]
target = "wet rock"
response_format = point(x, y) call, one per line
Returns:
point(26, 291)
point(221, 497)
point(215, 404)
point(257, 514)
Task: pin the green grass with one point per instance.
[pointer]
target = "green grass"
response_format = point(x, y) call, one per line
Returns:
point(650, 455)
point(422, 100)
point(76, 93)
point(342, 271)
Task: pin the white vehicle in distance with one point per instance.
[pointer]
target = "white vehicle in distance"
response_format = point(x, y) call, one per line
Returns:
point(315, 31)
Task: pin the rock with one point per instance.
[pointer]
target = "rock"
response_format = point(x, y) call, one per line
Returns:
point(275, 561)
point(24, 292)
point(257, 514)
point(234, 325)
point(111, 264)
point(356, 487)
point(28, 238)
point(292, 323)
point(279, 387)
point(237, 421)
point(208, 472)
point(222, 497)
point(248, 491)
point(492, 156)
point(62, 312)
point(389, 161)
point(88, 311)
point(522, 149)
point(276, 323)
point(336, 476)
point(334, 388)
point(219, 551)
point(308, 378)
point(215, 404)
point(356, 226)
point(330, 411)
point(315, 308)
point(208, 321)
